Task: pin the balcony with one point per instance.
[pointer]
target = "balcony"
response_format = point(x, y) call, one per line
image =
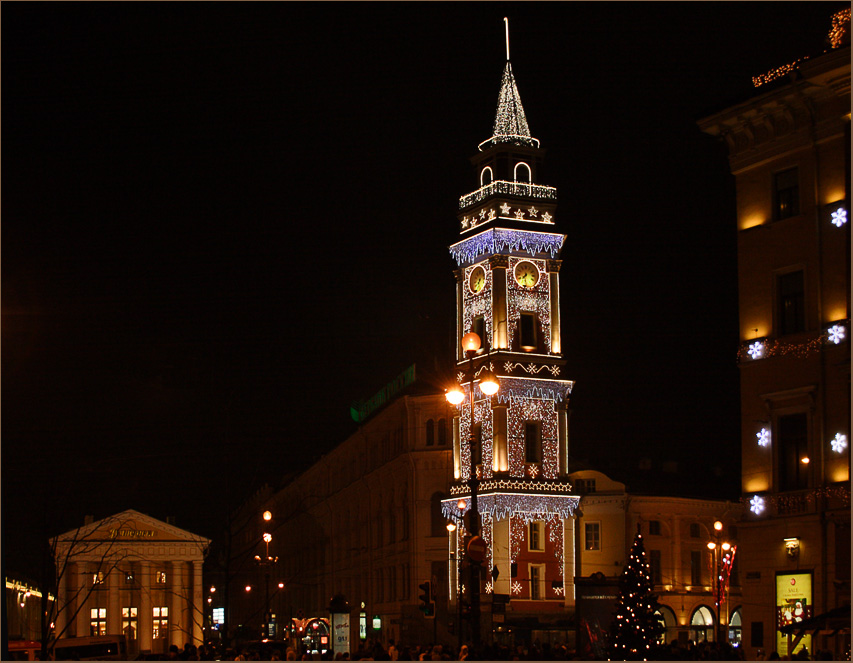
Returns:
point(522, 189)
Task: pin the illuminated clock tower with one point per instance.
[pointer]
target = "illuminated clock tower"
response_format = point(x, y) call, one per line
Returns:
point(508, 293)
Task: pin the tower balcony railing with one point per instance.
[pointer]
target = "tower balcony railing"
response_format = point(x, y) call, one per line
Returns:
point(525, 189)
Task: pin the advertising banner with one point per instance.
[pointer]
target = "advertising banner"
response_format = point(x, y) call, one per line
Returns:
point(793, 604)
point(340, 632)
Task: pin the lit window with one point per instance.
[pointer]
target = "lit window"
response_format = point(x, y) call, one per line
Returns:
point(161, 622)
point(161, 577)
point(792, 437)
point(537, 581)
point(98, 578)
point(535, 540)
point(98, 621)
point(592, 536)
point(527, 332)
point(129, 622)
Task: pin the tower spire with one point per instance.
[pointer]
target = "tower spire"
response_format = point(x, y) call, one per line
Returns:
point(510, 122)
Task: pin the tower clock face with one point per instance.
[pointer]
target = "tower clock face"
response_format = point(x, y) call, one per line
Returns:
point(526, 274)
point(477, 280)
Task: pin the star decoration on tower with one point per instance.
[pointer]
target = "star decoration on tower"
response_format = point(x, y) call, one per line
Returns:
point(464, 221)
point(546, 217)
point(519, 214)
point(505, 208)
point(492, 214)
point(533, 212)
point(483, 213)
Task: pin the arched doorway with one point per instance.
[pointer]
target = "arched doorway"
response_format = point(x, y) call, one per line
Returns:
point(666, 618)
point(702, 625)
point(735, 627)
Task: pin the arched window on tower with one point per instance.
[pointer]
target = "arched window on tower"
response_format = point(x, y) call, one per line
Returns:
point(430, 432)
point(442, 432)
point(486, 176)
point(522, 173)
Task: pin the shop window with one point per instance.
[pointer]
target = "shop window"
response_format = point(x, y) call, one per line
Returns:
point(537, 582)
point(430, 432)
point(535, 536)
point(790, 311)
point(160, 622)
point(792, 435)
point(702, 625)
point(532, 442)
point(786, 193)
point(442, 432)
point(98, 621)
point(592, 536)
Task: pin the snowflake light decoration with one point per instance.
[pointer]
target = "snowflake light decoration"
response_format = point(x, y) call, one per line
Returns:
point(756, 505)
point(488, 588)
point(516, 587)
point(836, 334)
point(839, 217)
point(756, 350)
point(763, 437)
point(839, 443)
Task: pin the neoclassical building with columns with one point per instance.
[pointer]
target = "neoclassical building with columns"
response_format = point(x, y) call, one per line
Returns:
point(132, 574)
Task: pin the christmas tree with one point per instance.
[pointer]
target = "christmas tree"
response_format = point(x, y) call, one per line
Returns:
point(635, 629)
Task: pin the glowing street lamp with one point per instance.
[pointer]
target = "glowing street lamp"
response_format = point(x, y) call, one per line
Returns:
point(724, 555)
point(489, 386)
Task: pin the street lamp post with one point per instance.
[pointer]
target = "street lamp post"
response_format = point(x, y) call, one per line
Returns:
point(489, 386)
point(266, 563)
point(724, 553)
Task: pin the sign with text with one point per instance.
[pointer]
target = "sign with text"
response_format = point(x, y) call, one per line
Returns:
point(361, 410)
point(793, 604)
point(340, 632)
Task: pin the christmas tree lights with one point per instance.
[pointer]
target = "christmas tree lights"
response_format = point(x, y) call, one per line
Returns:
point(635, 628)
point(510, 122)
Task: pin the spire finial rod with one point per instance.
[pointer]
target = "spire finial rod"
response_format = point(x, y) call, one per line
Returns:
point(506, 25)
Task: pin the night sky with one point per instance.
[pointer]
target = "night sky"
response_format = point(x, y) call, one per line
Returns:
point(225, 222)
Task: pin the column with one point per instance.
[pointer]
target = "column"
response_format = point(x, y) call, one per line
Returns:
point(563, 439)
point(457, 457)
point(500, 455)
point(569, 561)
point(61, 597)
point(198, 606)
point(460, 319)
point(499, 327)
point(553, 280)
point(115, 580)
point(177, 626)
point(501, 555)
point(146, 625)
point(83, 583)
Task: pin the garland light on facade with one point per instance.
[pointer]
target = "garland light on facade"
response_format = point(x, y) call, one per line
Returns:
point(763, 437)
point(839, 443)
point(500, 240)
point(756, 505)
point(836, 334)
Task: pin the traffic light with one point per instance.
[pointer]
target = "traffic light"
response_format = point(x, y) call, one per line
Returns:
point(427, 605)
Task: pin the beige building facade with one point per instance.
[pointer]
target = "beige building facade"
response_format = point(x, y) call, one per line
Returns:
point(131, 574)
point(789, 151)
